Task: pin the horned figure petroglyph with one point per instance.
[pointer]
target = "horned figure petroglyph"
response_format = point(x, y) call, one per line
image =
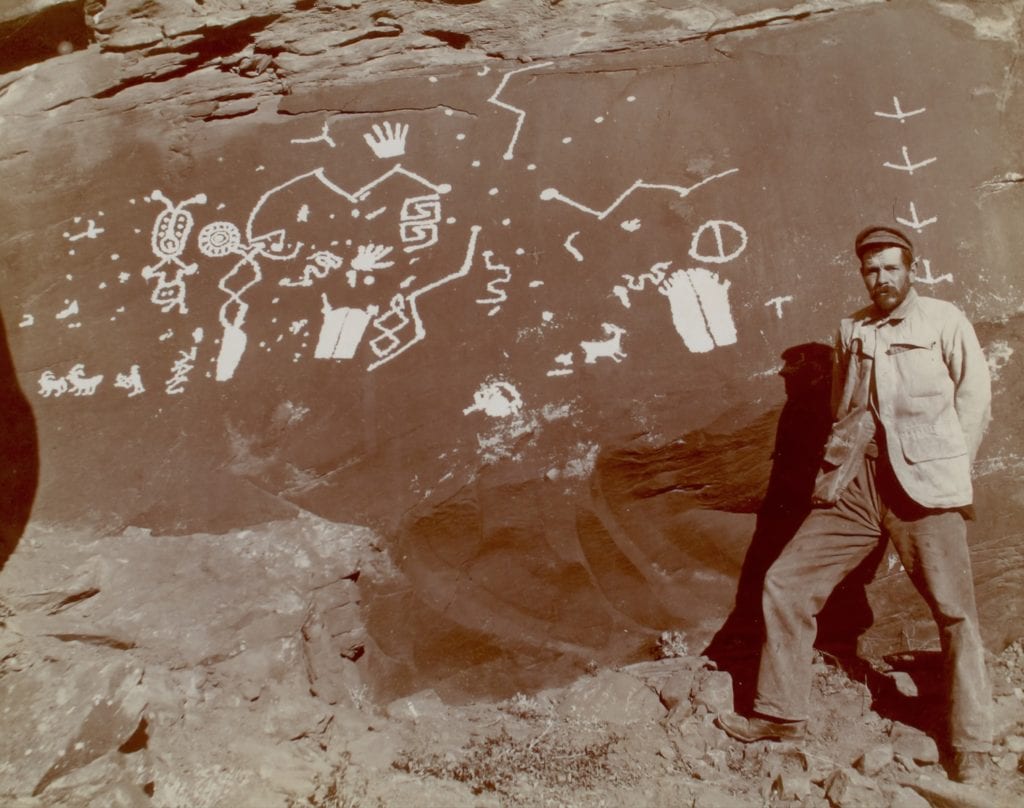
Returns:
point(52, 385)
point(610, 347)
point(168, 239)
point(80, 384)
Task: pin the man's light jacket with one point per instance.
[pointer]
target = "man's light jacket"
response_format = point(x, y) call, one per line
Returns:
point(928, 384)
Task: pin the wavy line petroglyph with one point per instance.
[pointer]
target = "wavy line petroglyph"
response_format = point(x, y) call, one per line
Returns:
point(497, 295)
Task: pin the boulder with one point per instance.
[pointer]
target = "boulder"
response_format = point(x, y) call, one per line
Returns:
point(712, 690)
point(943, 793)
point(846, 788)
point(791, 786)
point(68, 715)
point(914, 744)
point(612, 697)
point(875, 759)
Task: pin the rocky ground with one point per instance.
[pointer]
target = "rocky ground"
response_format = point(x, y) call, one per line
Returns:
point(121, 687)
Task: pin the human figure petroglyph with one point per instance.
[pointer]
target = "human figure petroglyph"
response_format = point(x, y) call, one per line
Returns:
point(130, 381)
point(168, 241)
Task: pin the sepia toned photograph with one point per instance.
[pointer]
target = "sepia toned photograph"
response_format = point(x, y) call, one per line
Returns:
point(512, 403)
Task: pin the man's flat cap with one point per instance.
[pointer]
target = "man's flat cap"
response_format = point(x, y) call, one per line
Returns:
point(880, 235)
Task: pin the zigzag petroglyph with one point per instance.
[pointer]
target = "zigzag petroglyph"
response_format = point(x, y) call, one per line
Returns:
point(553, 193)
point(520, 113)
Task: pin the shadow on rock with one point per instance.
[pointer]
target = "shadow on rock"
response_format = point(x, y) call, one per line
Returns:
point(19, 448)
point(799, 439)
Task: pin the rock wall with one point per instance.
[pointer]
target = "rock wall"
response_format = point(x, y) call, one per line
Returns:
point(510, 283)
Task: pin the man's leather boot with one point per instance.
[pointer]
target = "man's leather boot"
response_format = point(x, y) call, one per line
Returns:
point(757, 728)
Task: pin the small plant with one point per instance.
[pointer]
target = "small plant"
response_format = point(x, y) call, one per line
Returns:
point(526, 707)
point(671, 645)
point(496, 763)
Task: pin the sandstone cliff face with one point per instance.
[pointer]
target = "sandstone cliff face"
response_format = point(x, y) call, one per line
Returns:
point(508, 282)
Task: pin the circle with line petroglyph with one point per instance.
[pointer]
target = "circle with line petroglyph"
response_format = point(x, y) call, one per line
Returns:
point(721, 240)
point(218, 239)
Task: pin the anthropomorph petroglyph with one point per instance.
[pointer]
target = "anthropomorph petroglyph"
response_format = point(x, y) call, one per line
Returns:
point(608, 348)
point(387, 139)
point(168, 241)
point(699, 301)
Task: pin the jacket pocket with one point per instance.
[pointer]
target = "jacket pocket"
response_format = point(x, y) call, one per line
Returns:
point(920, 368)
point(933, 441)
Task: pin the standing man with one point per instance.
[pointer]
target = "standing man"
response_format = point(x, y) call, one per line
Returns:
point(910, 397)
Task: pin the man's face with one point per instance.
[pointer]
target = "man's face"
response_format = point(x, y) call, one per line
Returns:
point(887, 277)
